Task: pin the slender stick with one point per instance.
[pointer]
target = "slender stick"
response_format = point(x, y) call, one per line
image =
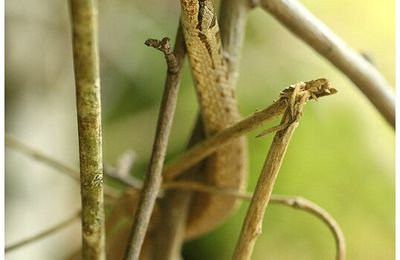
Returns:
point(14, 142)
point(320, 213)
point(42, 234)
point(252, 225)
point(308, 28)
point(290, 201)
point(86, 67)
point(211, 144)
point(153, 178)
point(175, 209)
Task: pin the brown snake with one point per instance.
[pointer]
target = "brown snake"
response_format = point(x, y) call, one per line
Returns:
point(227, 167)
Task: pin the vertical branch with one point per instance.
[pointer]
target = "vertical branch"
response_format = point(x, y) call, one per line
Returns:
point(153, 178)
point(232, 24)
point(87, 80)
point(175, 208)
point(252, 226)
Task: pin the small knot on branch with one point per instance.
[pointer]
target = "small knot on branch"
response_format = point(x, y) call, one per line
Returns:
point(164, 46)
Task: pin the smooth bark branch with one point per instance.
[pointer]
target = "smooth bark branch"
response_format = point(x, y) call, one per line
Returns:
point(308, 28)
point(42, 234)
point(153, 178)
point(252, 226)
point(87, 80)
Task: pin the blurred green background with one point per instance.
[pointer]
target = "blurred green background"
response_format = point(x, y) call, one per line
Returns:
point(341, 156)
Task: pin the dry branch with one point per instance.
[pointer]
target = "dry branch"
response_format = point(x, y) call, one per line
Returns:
point(153, 178)
point(87, 80)
point(211, 144)
point(252, 226)
point(308, 28)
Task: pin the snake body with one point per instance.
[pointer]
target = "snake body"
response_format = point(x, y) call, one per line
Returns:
point(226, 168)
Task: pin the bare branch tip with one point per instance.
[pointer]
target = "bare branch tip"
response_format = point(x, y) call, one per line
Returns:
point(161, 45)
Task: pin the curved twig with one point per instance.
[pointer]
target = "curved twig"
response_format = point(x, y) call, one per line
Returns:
point(42, 234)
point(16, 143)
point(290, 201)
point(320, 213)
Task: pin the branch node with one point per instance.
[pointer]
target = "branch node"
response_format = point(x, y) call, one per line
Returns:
point(164, 46)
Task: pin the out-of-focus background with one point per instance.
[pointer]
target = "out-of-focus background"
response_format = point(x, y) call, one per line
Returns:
point(341, 157)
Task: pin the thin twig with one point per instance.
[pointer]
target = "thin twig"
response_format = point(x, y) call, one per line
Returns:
point(211, 144)
point(290, 201)
point(42, 234)
point(87, 81)
point(153, 178)
point(175, 206)
point(252, 226)
point(308, 28)
point(320, 213)
point(15, 143)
